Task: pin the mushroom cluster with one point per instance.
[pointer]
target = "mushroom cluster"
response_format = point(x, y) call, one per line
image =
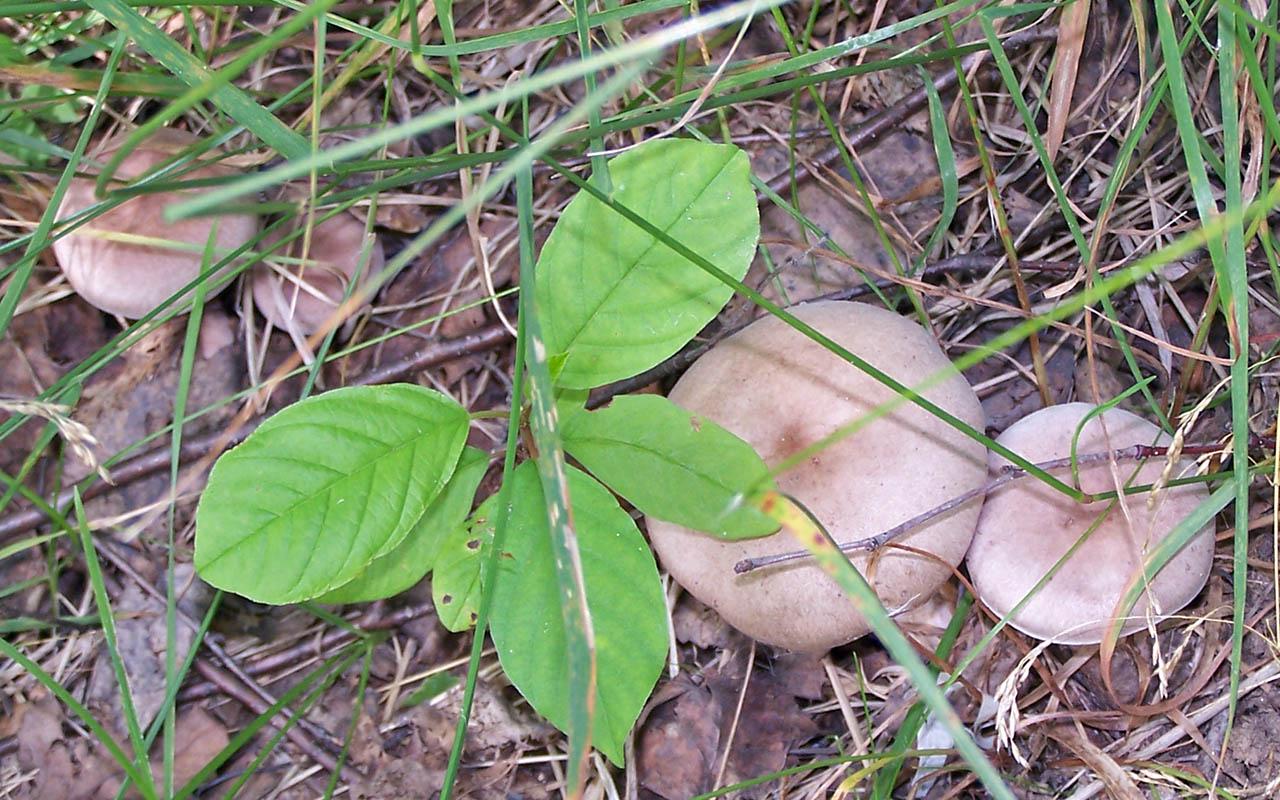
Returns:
point(129, 259)
point(781, 392)
point(1027, 527)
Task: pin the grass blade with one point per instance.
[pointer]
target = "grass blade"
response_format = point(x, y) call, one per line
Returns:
point(836, 564)
point(555, 488)
point(1227, 253)
point(103, 603)
point(229, 99)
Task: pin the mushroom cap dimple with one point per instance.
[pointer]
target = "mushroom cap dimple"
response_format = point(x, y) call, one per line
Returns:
point(1026, 526)
point(131, 278)
point(780, 391)
point(334, 254)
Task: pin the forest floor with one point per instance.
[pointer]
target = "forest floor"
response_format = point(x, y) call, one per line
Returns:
point(874, 186)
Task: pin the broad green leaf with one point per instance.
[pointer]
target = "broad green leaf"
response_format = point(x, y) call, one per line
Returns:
point(615, 301)
point(672, 464)
point(624, 595)
point(455, 584)
point(323, 488)
point(391, 574)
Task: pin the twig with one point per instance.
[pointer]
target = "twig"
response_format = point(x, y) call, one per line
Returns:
point(890, 118)
point(157, 458)
point(1007, 474)
point(237, 691)
point(325, 645)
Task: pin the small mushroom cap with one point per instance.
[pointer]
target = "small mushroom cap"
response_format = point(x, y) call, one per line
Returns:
point(1026, 526)
point(781, 392)
point(317, 287)
point(131, 278)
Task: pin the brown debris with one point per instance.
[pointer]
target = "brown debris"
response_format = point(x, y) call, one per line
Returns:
point(681, 745)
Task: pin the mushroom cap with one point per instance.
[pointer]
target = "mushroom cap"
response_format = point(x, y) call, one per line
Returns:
point(333, 257)
point(129, 278)
point(1026, 526)
point(780, 391)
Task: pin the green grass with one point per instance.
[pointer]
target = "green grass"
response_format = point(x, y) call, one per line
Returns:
point(625, 85)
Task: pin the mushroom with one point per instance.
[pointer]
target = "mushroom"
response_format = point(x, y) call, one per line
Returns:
point(1026, 526)
point(781, 392)
point(300, 296)
point(106, 259)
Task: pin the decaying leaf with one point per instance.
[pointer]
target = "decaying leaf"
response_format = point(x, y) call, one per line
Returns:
point(142, 632)
point(1071, 30)
point(681, 744)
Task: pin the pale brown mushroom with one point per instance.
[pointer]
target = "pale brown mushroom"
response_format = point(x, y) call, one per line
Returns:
point(780, 391)
point(300, 296)
point(1026, 526)
point(128, 260)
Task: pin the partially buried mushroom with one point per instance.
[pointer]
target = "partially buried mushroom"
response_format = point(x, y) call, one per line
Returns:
point(299, 296)
point(1027, 526)
point(781, 392)
point(129, 259)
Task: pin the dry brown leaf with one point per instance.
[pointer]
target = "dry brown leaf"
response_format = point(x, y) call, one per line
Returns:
point(681, 744)
point(1071, 31)
point(698, 624)
point(677, 747)
point(198, 738)
point(64, 770)
point(142, 633)
point(771, 724)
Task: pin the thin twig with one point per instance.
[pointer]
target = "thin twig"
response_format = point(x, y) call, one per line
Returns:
point(875, 127)
point(231, 687)
point(1007, 474)
point(325, 645)
point(158, 458)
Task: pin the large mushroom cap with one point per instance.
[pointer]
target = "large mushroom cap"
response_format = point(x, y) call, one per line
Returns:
point(780, 391)
point(1026, 527)
point(130, 278)
point(312, 291)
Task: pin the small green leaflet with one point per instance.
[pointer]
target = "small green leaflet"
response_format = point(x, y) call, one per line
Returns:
point(455, 585)
point(672, 464)
point(624, 594)
point(323, 488)
point(391, 574)
point(614, 301)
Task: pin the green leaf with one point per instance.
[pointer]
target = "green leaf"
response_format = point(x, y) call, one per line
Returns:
point(455, 585)
point(672, 464)
point(624, 595)
point(392, 573)
point(614, 300)
point(323, 488)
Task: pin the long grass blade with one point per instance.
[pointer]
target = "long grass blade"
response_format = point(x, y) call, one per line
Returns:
point(1227, 253)
point(107, 620)
point(231, 100)
point(555, 490)
point(836, 564)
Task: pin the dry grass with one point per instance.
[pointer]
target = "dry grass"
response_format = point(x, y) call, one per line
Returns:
point(1159, 717)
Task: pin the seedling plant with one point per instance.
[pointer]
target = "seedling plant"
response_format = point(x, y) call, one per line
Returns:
point(358, 493)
